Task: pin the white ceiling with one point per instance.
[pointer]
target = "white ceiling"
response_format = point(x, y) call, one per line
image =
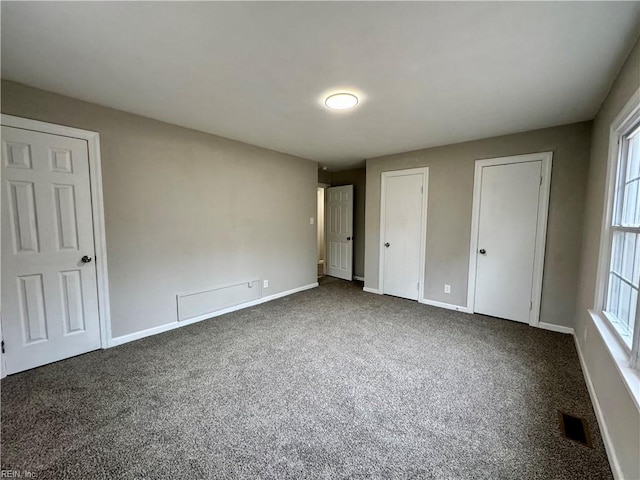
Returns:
point(427, 73)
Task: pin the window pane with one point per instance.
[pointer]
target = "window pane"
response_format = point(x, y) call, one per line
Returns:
point(614, 295)
point(628, 255)
point(636, 266)
point(617, 251)
point(630, 203)
point(632, 311)
point(623, 305)
point(633, 158)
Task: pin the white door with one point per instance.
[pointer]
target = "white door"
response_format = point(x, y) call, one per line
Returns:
point(339, 228)
point(403, 232)
point(49, 290)
point(507, 228)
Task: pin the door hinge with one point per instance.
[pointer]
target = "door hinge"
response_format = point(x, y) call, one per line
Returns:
point(530, 305)
point(2, 346)
point(421, 189)
point(418, 286)
point(540, 180)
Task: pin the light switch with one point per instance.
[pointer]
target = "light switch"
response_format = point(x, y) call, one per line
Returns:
point(311, 220)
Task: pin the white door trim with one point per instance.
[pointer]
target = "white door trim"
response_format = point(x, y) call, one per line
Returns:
point(97, 208)
point(423, 228)
point(541, 228)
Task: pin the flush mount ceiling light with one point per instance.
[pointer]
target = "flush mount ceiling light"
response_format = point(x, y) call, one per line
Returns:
point(341, 101)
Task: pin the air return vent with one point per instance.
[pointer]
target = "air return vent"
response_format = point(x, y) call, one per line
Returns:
point(574, 428)
point(208, 302)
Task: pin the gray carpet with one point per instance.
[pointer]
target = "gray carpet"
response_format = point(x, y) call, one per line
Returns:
point(329, 383)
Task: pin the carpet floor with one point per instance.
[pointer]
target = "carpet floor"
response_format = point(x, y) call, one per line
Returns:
point(328, 383)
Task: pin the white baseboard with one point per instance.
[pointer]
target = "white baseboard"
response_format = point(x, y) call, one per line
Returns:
point(360, 279)
point(372, 290)
point(286, 293)
point(606, 437)
point(170, 326)
point(556, 328)
point(448, 306)
point(114, 342)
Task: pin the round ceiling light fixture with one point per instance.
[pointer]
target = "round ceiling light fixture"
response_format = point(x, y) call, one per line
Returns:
point(341, 101)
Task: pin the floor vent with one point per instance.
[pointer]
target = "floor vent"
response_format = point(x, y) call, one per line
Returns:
point(574, 428)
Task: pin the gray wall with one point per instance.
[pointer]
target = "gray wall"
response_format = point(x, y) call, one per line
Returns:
point(451, 171)
point(186, 211)
point(620, 413)
point(324, 176)
point(358, 178)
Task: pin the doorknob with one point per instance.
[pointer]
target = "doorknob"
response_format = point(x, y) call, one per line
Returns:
point(86, 259)
point(387, 244)
point(482, 251)
point(348, 238)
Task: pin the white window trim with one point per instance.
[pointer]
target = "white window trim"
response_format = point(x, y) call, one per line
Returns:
point(619, 353)
point(626, 358)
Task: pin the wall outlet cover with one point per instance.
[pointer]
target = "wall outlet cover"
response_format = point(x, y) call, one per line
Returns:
point(265, 284)
point(447, 288)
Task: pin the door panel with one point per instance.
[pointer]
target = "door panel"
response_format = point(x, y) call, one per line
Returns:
point(65, 213)
point(32, 311)
point(72, 301)
point(402, 232)
point(23, 217)
point(49, 296)
point(340, 232)
point(507, 234)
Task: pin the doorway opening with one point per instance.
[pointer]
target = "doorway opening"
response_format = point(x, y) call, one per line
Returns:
point(320, 227)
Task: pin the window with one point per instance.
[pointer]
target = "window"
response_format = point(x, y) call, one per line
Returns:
point(621, 305)
point(617, 295)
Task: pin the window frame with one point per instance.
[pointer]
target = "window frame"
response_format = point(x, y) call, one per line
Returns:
point(625, 123)
point(616, 225)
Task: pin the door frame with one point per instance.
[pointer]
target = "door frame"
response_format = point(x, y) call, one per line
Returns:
point(97, 209)
point(423, 230)
point(541, 227)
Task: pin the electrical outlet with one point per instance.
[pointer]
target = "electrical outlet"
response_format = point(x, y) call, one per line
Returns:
point(447, 288)
point(265, 284)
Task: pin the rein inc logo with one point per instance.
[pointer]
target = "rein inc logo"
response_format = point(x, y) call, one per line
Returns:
point(17, 474)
